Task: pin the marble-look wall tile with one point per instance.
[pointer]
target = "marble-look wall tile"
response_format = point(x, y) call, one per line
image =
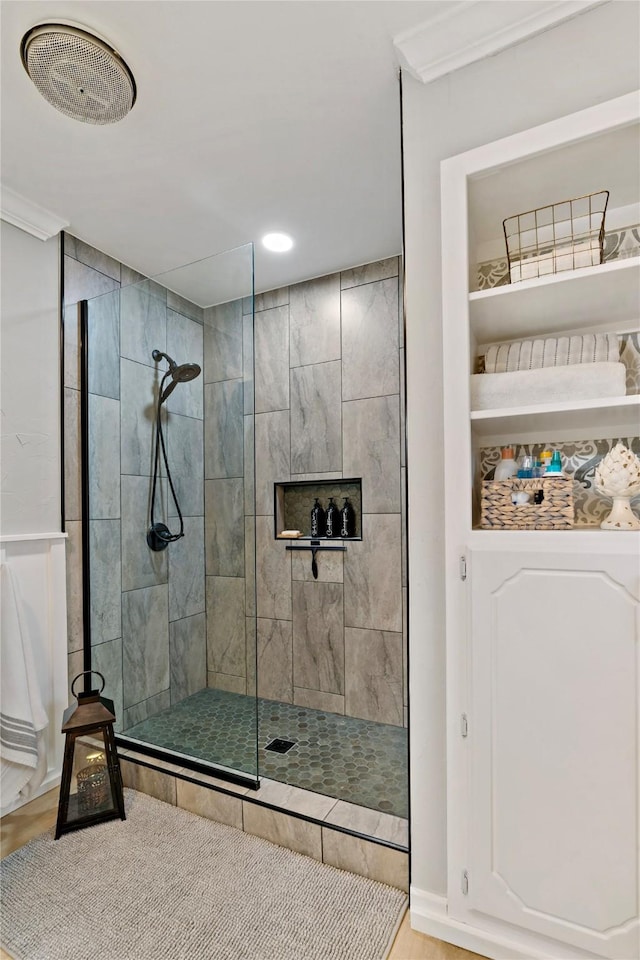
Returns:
point(224, 681)
point(318, 637)
point(272, 456)
point(365, 858)
point(209, 803)
point(275, 660)
point(273, 573)
point(75, 629)
point(372, 575)
point(226, 626)
point(250, 552)
point(369, 273)
point(129, 276)
point(249, 467)
point(403, 510)
point(186, 571)
point(248, 373)
point(405, 646)
point(371, 441)
point(315, 321)
point(106, 658)
point(79, 250)
point(83, 283)
point(224, 429)
point(104, 458)
point(145, 637)
point(329, 563)
point(181, 305)
point(373, 675)
point(401, 332)
point(403, 411)
point(370, 365)
point(223, 342)
point(294, 799)
point(185, 449)
point(316, 421)
point(185, 345)
point(106, 580)
point(75, 665)
point(141, 567)
point(143, 321)
point(187, 656)
point(272, 360)
point(317, 700)
point(103, 323)
point(72, 458)
point(147, 708)
point(251, 633)
point(268, 300)
point(152, 782)
point(71, 325)
point(280, 828)
point(225, 526)
point(139, 391)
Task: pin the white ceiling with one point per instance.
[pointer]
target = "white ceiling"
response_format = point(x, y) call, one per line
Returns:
point(252, 116)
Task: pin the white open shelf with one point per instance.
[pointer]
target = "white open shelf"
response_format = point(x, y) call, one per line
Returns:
point(611, 417)
point(606, 296)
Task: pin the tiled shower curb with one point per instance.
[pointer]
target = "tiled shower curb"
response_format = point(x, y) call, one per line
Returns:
point(346, 847)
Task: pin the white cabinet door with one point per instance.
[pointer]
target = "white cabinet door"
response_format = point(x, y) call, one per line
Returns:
point(552, 788)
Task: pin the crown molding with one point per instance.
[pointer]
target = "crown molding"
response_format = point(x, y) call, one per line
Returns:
point(29, 216)
point(471, 30)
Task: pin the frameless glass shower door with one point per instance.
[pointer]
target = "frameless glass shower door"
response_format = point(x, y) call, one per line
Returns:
point(169, 519)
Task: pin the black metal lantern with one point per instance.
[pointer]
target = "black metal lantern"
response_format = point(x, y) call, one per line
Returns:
point(91, 787)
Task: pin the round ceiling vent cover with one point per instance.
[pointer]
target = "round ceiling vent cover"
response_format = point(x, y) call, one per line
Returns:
point(78, 73)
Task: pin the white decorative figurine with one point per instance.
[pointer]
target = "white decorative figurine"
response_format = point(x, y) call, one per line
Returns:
point(618, 476)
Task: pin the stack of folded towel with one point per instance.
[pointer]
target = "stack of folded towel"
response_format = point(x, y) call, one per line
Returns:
point(549, 370)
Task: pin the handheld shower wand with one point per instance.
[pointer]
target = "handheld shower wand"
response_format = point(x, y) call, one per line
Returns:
point(159, 536)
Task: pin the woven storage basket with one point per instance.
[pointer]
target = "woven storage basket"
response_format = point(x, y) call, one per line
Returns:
point(497, 511)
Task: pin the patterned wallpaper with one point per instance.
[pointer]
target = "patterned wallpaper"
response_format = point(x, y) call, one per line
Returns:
point(579, 460)
point(618, 244)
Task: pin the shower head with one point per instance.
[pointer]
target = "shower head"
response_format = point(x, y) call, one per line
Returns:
point(179, 373)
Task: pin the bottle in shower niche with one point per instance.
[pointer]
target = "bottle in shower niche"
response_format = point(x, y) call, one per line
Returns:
point(318, 520)
point(333, 520)
point(347, 520)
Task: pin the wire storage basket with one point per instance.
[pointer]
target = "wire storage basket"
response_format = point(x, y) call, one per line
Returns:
point(561, 236)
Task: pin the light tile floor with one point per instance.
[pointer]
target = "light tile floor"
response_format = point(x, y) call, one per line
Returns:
point(357, 761)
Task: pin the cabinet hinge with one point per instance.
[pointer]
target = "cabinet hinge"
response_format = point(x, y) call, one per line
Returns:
point(463, 568)
point(465, 882)
point(464, 725)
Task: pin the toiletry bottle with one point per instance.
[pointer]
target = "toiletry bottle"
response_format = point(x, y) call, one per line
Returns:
point(347, 520)
point(507, 466)
point(527, 466)
point(545, 460)
point(555, 467)
point(317, 520)
point(333, 520)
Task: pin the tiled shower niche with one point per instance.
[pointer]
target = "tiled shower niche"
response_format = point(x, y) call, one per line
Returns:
point(293, 503)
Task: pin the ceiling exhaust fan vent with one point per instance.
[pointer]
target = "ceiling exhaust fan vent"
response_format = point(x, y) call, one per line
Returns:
point(78, 73)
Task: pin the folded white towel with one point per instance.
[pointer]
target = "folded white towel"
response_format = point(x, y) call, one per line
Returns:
point(492, 391)
point(552, 352)
point(22, 715)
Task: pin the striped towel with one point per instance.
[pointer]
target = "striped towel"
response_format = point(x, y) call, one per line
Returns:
point(552, 352)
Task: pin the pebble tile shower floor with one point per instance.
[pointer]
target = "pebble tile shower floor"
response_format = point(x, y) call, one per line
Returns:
point(354, 760)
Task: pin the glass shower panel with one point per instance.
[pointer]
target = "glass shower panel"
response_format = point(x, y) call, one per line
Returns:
point(170, 494)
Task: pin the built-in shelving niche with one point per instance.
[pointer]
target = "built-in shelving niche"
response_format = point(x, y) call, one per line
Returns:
point(293, 502)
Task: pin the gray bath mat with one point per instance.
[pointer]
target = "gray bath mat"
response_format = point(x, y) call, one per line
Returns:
point(168, 885)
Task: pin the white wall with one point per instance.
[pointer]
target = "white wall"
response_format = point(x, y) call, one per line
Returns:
point(584, 61)
point(30, 383)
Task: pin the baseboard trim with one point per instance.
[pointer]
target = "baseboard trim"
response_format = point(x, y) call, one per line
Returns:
point(429, 915)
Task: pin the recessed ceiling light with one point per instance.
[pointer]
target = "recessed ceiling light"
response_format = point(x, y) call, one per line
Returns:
point(277, 242)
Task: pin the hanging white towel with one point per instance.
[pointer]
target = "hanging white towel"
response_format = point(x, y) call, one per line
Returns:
point(23, 718)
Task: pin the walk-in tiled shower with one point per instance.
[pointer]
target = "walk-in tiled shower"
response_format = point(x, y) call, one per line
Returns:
point(226, 641)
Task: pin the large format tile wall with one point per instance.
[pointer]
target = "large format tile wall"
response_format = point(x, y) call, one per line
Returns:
point(328, 404)
point(148, 625)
